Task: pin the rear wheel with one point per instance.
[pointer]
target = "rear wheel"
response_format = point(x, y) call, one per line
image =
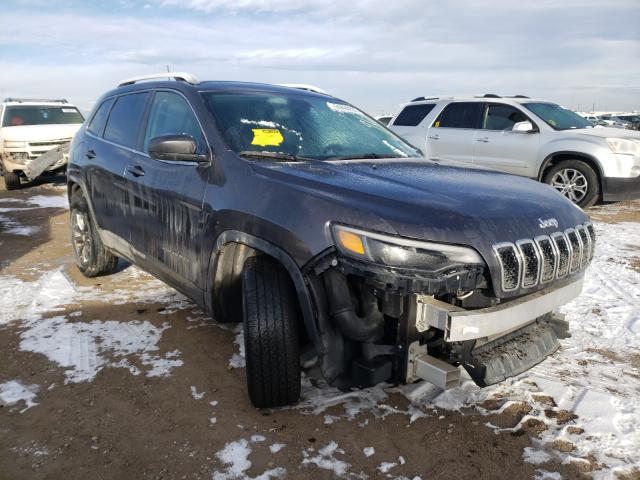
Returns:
point(270, 314)
point(11, 181)
point(92, 258)
point(576, 180)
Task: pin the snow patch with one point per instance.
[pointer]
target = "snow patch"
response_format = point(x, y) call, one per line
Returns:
point(12, 227)
point(368, 451)
point(238, 359)
point(87, 348)
point(276, 447)
point(235, 456)
point(195, 394)
point(49, 201)
point(14, 391)
point(326, 460)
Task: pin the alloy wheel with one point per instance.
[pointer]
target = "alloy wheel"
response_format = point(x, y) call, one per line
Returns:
point(81, 237)
point(571, 183)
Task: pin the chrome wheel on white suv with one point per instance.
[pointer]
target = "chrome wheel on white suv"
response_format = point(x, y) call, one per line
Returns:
point(576, 180)
point(571, 183)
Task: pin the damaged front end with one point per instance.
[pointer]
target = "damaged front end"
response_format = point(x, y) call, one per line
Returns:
point(399, 310)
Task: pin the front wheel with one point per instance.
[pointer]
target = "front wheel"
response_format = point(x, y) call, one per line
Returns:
point(576, 180)
point(11, 181)
point(270, 314)
point(92, 258)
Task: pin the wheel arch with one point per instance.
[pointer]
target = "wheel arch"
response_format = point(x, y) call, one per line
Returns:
point(231, 249)
point(556, 157)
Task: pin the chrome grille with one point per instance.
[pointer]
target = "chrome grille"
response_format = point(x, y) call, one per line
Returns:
point(576, 249)
point(530, 262)
point(527, 263)
point(510, 264)
point(548, 255)
point(564, 254)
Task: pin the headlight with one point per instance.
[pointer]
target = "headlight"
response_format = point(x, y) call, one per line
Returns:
point(401, 252)
point(9, 144)
point(19, 157)
point(623, 146)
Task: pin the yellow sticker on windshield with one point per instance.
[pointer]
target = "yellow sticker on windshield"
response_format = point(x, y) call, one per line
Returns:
point(266, 137)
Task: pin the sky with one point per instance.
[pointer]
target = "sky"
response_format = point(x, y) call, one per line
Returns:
point(376, 54)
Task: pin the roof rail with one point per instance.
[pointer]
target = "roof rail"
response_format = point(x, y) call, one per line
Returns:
point(419, 99)
point(177, 76)
point(491, 95)
point(43, 100)
point(303, 86)
point(519, 96)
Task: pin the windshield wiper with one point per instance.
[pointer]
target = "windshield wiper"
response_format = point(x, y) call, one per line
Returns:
point(362, 155)
point(286, 157)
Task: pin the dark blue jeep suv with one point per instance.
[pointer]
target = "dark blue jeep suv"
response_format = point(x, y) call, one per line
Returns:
point(332, 239)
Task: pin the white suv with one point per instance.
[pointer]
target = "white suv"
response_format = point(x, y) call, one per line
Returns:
point(531, 138)
point(29, 128)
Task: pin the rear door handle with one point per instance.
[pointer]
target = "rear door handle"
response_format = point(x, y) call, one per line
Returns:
point(483, 139)
point(91, 154)
point(434, 137)
point(135, 170)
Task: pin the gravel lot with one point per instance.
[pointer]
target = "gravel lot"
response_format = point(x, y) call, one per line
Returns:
point(122, 377)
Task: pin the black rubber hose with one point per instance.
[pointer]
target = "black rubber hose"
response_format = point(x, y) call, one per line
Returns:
point(360, 329)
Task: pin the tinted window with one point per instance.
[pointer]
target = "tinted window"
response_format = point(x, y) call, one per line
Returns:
point(171, 114)
point(123, 126)
point(15, 116)
point(460, 115)
point(100, 118)
point(502, 117)
point(412, 115)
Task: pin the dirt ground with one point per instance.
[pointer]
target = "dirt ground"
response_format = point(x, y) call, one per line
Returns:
point(118, 425)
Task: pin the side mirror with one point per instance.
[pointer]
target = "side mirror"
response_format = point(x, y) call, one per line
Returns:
point(524, 127)
point(181, 148)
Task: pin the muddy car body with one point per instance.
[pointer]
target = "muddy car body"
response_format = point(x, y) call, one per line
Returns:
point(380, 265)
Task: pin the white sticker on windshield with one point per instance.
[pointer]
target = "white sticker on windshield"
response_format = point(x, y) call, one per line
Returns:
point(68, 110)
point(342, 108)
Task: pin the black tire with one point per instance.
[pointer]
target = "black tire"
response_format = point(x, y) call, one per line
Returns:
point(272, 350)
point(11, 181)
point(585, 172)
point(95, 260)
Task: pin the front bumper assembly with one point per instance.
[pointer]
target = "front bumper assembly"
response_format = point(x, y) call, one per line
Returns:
point(491, 343)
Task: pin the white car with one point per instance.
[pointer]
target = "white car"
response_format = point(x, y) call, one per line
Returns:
point(30, 128)
point(527, 137)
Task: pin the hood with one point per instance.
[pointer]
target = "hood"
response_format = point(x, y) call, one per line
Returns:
point(39, 133)
point(607, 132)
point(426, 201)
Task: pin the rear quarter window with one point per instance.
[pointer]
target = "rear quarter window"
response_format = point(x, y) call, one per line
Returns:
point(412, 115)
point(99, 120)
point(125, 119)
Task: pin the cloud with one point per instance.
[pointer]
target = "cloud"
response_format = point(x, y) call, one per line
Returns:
point(375, 53)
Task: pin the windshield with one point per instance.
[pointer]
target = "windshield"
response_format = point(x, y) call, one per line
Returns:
point(557, 117)
point(301, 126)
point(40, 115)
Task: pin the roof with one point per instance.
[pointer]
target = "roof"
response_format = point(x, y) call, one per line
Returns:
point(37, 101)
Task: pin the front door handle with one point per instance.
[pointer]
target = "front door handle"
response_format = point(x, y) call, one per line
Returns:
point(483, 139)
point(135, 170)
point(434, 137)
point(91, 154)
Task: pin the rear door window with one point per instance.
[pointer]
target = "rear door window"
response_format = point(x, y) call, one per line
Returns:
point(171, 114)
point(99, 120)
point(412, 115)
point(502, 117)
point(123, 126)
point(460, 115)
